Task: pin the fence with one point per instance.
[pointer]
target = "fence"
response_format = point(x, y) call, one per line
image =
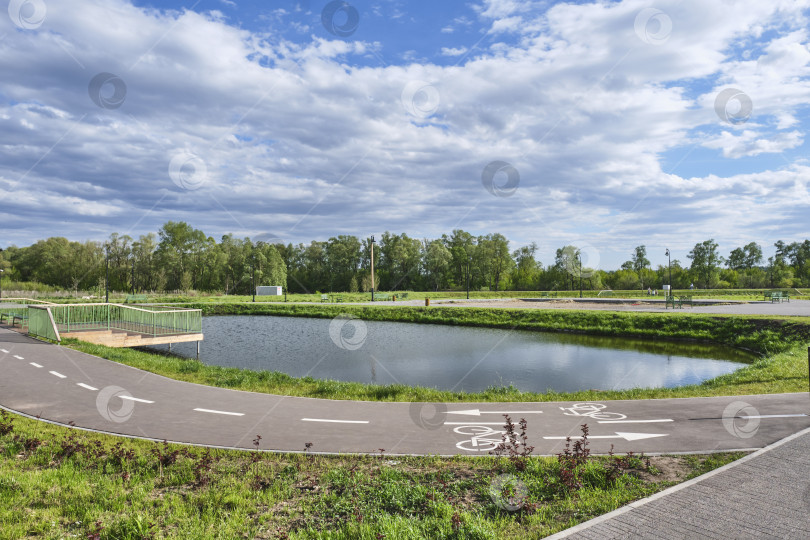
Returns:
point(49, 321)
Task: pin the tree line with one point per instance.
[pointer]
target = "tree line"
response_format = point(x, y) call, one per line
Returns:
point(181, 258)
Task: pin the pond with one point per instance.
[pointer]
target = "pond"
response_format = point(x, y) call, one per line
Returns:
point(454, 358)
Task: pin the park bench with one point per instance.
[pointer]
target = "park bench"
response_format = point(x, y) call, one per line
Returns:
point(135, 298)
point(403, 296)
point(674, 302)
point(779, 296)
point(686, 300)
point(768, 295)
point(324, 298)
point(546, 294)
point(382, 296)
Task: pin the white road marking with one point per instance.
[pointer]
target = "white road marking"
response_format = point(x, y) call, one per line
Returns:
point(139, 400)
point(619, 435)
point(35, 364)
point(58, 374)
point(773, 416)
point(4, 351)
point(18, 357)
point(478, 412)
point(220, 412)
point(474, 423)
point(334, 421)
point(635, 421)
point(86, 386)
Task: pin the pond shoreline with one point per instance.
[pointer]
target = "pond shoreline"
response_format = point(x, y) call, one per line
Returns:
point(780, 342)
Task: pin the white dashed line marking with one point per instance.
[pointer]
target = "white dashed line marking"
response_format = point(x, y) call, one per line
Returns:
point(35, 364)
point(86, 386)
point(18, 357)
point(220, 412)
point(337, 421)
point(58, 374)
point(139, 400)
point(635, 421)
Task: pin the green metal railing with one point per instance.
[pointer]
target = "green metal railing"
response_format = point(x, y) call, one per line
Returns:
point(154, 322)
point(41, 323)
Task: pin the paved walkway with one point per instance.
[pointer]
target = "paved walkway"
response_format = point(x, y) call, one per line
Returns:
point(764, 495)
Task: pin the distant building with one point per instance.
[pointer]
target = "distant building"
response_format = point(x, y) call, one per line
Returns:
point(268, 291)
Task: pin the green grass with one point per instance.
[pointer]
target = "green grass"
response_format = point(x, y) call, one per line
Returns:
point(58, 483)
point(46, 293)
point(780, 343)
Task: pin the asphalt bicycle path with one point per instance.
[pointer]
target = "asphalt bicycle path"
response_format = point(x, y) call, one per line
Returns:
point(62, 385)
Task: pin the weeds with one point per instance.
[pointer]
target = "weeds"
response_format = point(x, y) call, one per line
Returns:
point(572, 460)
point(514, 444)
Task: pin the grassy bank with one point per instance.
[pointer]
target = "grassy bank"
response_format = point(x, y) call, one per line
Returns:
point(780, 344)
point(59, 483)
point(49, 293)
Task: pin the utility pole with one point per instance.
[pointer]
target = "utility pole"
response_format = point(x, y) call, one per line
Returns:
point(372, 267)
point(107, 278)
point(469, 263)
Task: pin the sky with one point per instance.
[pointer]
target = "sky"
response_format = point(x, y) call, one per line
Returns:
point(606, 125)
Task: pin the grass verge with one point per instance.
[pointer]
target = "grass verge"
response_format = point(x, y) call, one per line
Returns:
point(56, 483)
point(779, 342)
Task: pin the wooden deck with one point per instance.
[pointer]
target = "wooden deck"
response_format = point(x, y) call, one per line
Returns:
point(120, 338)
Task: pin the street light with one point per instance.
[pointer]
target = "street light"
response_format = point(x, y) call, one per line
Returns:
point(1, 281)
point(107, 278)
point(372, 267)
point(669, 265)
point(469, 263)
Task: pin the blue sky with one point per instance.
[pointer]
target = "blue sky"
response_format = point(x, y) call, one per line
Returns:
point(662, 123)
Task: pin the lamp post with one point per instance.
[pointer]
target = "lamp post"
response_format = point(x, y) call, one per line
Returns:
point(469, 263)
point(253, 278)
point(133, 276)
point(1, 282)
point(669, 265)
point(107, 277)
point(372, 267)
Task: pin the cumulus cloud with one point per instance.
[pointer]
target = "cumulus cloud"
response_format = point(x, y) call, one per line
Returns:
point(311, 138)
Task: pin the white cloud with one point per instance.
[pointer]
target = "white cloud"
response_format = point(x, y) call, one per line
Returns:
point(447, 51)
point(749, 143)
point(308, 139)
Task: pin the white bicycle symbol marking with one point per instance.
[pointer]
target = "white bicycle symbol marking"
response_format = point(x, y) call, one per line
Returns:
point(592, 410)
point(483, 438)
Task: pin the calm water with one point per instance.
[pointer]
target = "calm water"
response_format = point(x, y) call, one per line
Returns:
point(454, 358)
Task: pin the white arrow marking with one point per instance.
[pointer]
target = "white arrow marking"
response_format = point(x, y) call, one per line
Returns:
point(477, 412)
point(620, 435)
point(86, 386)
point(35, 364)
point(635, 421)
point(773, 416)
point(473, 423)
point(58, 374)
point(220, 412)
point(139, 400)
point(18, 357)
point(335, 421)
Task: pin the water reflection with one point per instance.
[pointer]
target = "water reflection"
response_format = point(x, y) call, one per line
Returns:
point(459, 358)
